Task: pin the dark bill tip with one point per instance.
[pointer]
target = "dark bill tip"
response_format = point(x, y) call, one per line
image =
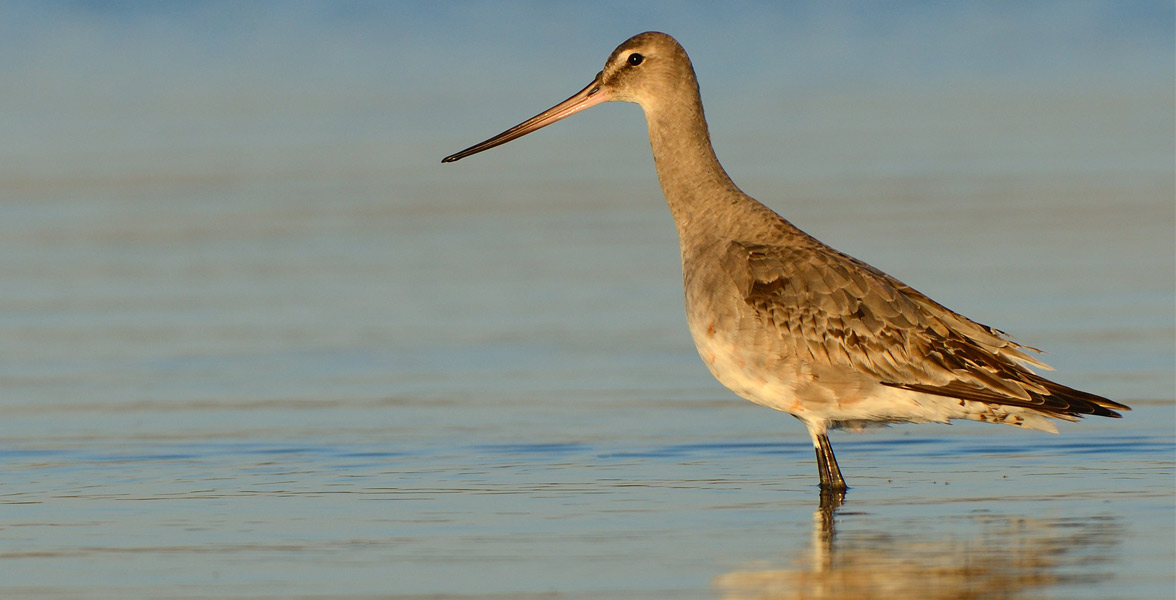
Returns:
point(588, 97)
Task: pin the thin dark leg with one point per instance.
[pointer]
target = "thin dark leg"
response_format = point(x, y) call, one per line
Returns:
point(831, 478)
point(822, 468)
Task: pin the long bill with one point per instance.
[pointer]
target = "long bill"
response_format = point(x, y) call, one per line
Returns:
point(586, 98)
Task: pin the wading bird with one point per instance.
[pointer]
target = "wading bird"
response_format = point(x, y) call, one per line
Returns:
point(785, 321)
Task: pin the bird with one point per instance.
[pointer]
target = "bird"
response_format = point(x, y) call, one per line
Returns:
point(790, 323)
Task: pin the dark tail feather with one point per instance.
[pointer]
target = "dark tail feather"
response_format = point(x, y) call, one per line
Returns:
point(1060, 400)
point(1083, 403)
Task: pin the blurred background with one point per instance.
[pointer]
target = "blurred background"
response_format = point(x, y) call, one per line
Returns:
point(176, 175)
point(236, 279)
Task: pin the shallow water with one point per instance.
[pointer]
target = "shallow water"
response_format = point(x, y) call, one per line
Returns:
point(247, 354)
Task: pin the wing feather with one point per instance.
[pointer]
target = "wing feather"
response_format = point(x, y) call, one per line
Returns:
point(837, 310)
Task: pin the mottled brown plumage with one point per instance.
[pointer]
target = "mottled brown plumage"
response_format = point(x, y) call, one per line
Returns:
point(790, 323)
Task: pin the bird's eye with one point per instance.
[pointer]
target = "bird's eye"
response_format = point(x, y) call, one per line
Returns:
point(635, 59)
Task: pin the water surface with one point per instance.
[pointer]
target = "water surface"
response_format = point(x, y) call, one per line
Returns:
point(256, 342)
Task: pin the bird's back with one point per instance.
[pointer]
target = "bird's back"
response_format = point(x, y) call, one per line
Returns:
point(786, 321)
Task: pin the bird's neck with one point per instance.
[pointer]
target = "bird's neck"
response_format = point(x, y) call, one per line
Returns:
point(697, 189)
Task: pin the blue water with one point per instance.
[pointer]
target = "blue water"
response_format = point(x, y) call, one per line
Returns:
point(256, 342)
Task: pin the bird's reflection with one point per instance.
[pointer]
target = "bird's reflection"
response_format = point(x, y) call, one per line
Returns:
point(994, 557)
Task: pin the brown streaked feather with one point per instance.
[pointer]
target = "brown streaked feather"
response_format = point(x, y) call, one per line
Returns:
point(836, 309)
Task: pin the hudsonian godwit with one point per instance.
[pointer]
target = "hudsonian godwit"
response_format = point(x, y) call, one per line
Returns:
point(790, 323)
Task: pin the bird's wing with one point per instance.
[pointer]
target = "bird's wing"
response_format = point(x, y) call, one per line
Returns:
point(838, 310)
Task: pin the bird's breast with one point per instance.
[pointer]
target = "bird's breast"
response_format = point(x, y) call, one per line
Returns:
point(743, 355)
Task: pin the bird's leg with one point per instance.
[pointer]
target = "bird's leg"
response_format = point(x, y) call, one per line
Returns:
point(831, 478)
point(823, 469)
point(830, 473)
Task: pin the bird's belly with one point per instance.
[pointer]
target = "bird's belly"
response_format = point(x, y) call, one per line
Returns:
point(760, 375)
point(775, 377)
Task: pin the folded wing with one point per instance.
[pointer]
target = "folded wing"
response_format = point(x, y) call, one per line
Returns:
point(833, 309)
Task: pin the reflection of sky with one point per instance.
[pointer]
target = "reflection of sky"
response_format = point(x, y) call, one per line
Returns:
point(809, 42)
point(95, 92)
point(91, 56)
